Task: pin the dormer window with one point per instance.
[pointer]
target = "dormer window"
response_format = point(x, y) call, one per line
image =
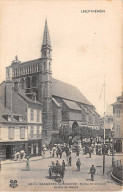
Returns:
point(7, 117)
point(18, 118)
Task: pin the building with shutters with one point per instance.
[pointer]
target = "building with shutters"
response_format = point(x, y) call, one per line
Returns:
point(118, 123)
point(20, 122)
point(63, 104)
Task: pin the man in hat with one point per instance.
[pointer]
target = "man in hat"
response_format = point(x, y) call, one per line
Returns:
point(70, 158)
point(53, 164)
point(63, 165)
point(92, 172)
point(78, 164)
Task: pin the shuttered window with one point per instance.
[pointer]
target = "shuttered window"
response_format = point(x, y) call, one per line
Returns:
point(32, 115)
point(22, 133)
point(11, 132)
point(38, 116)
point(38, 131)
point(31, 132)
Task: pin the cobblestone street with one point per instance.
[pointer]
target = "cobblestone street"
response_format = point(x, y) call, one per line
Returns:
point(38, 177)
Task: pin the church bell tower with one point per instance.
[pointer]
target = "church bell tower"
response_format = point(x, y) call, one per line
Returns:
point(46, 83)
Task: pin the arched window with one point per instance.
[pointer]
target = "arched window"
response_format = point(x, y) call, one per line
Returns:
point(28, 82)
point(22, 70)
point(75, 128)
point(22, 83)
point(44, 53)
point(27, 69)
point(33, 68)
point(37, 68)
point(16, 72)
point(44, 67)
point(34, 80)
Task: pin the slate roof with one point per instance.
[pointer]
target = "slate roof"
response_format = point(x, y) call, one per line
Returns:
point(67, 91)
point(55, 101)
point(91, 111)
point(84, 108)
point(72, 105)
point(4, 112)
point(116, 103)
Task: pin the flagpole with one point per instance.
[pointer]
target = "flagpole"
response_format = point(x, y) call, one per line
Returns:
point(104, 133)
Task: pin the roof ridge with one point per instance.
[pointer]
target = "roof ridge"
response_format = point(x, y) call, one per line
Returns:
point(65, 83)
point(68, 91)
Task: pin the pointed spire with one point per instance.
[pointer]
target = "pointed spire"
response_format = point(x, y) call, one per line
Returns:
point(46, 36)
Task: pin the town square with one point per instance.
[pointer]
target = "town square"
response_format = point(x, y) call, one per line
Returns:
point(38, 176)
point(61, 98)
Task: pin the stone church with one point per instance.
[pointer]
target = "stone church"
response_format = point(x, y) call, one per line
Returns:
point(63, 104)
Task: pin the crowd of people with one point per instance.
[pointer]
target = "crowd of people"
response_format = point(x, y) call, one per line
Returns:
point(17, 156)
point(58, 149)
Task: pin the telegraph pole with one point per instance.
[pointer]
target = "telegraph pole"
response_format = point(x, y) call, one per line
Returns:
point(104, 132)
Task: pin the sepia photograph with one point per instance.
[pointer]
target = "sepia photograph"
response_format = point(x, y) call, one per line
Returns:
point(61, 96)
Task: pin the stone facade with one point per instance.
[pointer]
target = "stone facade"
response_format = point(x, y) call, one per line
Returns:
point(20, 122)
point(118, 123)
point(63, 104)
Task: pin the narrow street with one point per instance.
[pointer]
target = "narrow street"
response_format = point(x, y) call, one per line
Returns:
point(37, 178)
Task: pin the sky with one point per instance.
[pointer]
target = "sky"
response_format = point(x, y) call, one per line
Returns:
point(86, 46)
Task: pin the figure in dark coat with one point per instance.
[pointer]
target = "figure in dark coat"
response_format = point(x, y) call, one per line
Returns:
point(70, 158)
point(78, 164)
point(92, 172)
point(63, 165)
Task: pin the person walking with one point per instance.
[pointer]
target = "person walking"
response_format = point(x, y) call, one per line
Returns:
point(78, 164)
point(92, 172)
point(90, 151)
point(63, 165)
point(27, 164)
point(70, 159)
point(53, 164)
point(43, 153)
point(53, 151)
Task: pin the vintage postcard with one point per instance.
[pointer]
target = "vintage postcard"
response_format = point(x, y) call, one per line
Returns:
point(61, 100)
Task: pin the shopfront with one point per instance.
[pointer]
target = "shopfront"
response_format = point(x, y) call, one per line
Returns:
point(7, 149)
point(34, 147)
